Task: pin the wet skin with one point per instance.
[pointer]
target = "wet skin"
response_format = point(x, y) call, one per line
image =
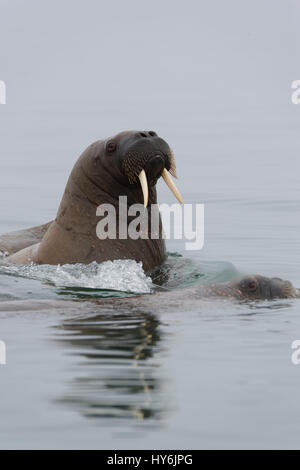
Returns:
point(128, 164)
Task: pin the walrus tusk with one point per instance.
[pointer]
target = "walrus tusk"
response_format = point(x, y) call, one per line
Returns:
point(144, 184)
point(171, 184)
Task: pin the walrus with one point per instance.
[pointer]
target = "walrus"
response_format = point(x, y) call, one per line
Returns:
point(246, 288)
point(128, 164)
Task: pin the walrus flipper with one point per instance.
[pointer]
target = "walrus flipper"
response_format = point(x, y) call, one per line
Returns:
point(13, 242)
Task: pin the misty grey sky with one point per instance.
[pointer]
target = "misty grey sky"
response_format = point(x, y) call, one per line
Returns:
point(210, 51)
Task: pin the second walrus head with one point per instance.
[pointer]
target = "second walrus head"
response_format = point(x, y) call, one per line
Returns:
point(256, 287)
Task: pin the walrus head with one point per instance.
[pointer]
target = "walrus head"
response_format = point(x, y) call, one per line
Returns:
point(134, 160)
point(144, 157)
point(255, 287)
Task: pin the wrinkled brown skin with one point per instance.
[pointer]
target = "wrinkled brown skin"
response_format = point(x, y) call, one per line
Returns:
point(245, 289)
point(96, 178)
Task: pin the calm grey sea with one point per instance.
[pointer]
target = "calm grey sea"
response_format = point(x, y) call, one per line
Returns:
point(214, 79)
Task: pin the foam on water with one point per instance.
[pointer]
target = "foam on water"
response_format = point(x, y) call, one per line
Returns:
point(120, 275)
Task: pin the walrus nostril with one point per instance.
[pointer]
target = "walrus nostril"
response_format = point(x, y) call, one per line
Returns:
point(142, 134)
point(152, 133)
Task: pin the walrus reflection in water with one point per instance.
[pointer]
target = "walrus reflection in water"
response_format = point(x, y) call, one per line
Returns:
point(128, 164)
point(118, 375)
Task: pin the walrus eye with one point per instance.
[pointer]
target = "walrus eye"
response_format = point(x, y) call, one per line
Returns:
point(252, 285)
point(111, 147)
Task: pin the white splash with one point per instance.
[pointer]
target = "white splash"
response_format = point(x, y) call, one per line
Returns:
point(121, 275)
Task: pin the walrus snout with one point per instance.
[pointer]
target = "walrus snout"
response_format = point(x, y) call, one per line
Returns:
point(145, 157)
point(283, 288)
point(141, 150)
point(154, 168)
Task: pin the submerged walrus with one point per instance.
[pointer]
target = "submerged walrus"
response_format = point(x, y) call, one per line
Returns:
point(128, 164)
point(247, 288)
